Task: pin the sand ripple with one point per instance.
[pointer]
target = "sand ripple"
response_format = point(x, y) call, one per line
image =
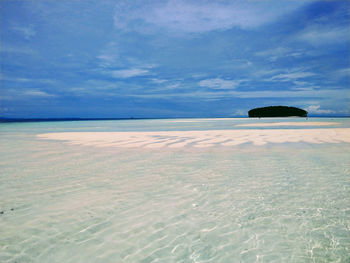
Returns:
point(178, 139)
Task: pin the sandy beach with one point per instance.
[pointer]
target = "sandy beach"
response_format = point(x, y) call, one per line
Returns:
point(209, 138)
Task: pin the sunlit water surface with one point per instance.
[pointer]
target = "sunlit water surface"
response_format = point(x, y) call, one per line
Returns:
point(278, 202)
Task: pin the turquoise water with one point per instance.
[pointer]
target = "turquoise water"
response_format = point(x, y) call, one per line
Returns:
point(282, 202)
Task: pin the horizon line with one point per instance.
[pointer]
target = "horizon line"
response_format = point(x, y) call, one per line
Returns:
point(15, 119)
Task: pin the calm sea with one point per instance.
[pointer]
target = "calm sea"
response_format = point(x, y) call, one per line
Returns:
point(277, 202)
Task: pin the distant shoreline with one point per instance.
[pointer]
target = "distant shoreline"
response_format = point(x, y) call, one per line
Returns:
point(66, 119)
point(11, 120)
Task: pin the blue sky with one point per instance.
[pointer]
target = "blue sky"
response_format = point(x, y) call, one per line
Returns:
point(173, 58)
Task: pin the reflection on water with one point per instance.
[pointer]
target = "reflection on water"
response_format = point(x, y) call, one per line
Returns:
point(74, 203)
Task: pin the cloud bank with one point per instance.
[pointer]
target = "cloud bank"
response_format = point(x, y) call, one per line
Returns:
point(199, 16)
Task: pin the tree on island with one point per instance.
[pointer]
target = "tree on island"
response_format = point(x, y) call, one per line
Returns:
point(277, 111)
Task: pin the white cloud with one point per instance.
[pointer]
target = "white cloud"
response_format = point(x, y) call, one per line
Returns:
point(21, 50)
point(168, 87)
point(27, 80)
point(280, 52)
point(218, 83)
point(327, 93)
point(324, 35)
point(172, 86)
point(158, 81)
point(316, 109)
point(110, 55)
point(343, 73)
point(293, 94)
point(266, 72)
point(38, 93)
point(239, 113)
point(200, 16)
point(198, 75)
point(290, 76)
point(273, 51)
point(301, 84)
point(107, 58)
point(128, 73)
point(26, 31)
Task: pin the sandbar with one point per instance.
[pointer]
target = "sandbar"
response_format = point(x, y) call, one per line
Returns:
point(208, 138)
point(271, 124)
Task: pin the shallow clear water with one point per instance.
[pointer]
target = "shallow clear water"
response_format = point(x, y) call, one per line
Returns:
point(282, 202)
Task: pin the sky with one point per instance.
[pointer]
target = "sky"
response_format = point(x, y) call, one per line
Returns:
point(172, 58)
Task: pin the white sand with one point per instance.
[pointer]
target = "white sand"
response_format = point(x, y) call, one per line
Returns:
point(178, 139)
point(271, 124)
point(200, 120)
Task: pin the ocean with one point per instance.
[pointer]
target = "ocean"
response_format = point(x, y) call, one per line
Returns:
point(176, 190)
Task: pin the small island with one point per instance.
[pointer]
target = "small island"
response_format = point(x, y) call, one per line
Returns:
point(277, 111)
